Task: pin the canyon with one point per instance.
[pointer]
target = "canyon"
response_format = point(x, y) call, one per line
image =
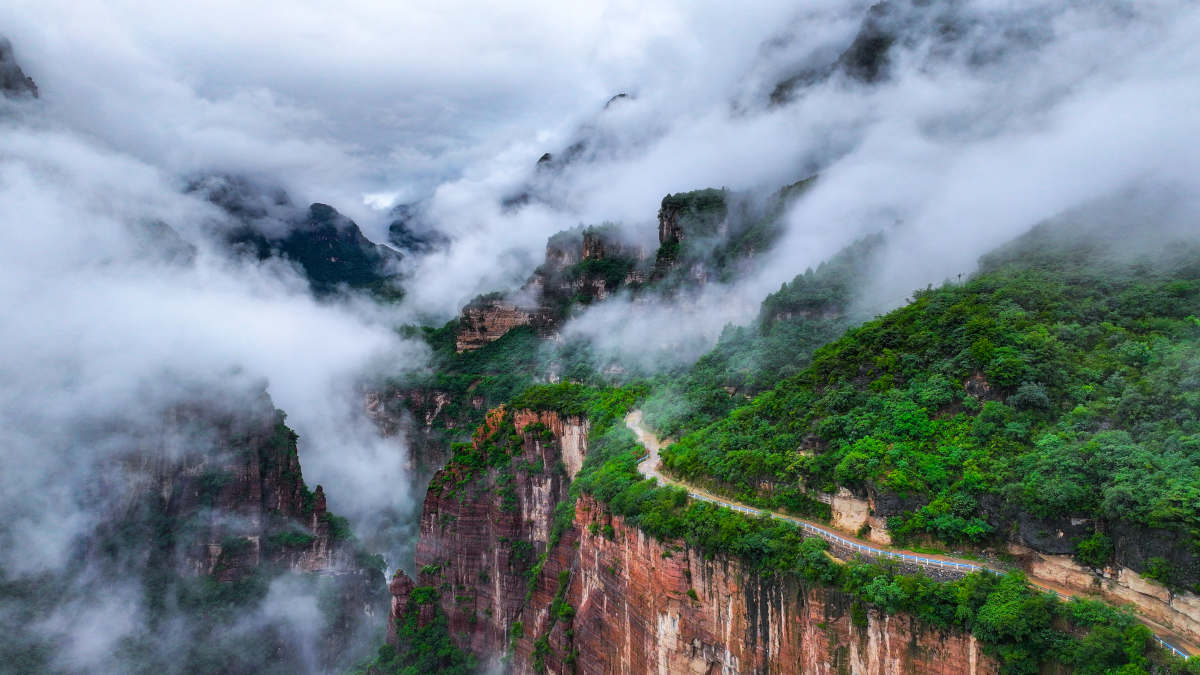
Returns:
point(583, 591)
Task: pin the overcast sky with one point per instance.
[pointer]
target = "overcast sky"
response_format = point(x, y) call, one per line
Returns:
point(1042, 108)
point(1039, 108)
point(343, 100)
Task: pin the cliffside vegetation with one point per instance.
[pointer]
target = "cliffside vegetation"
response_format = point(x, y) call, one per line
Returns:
point(1058, 385)
point(1020, 626)
point(425, 645)
point(1060, 382)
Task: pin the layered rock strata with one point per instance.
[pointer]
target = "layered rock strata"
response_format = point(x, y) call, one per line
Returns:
point(607, 598)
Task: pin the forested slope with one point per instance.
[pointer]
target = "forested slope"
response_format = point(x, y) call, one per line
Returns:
point(1058, 388)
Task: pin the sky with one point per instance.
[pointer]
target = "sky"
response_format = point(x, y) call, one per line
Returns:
point(1040, 109)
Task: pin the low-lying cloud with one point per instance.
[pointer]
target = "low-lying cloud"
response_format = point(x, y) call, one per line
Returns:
point(961, 144)
point(104, 327)
point(950, 156)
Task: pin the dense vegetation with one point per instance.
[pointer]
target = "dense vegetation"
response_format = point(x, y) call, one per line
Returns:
point(1021, 627)
point(425, 645)
point(805, 313)
point(1060, 382)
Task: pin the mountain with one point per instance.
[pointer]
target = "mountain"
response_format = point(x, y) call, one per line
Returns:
point(13, 81)
point(1035, 416)
point(329, 248)
point(200, 516)
point(999, 475)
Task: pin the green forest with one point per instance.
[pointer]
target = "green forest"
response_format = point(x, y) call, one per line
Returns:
point(1058, 385)
point(1059, 382)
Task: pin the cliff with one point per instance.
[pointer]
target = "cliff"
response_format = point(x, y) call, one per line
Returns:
point(13, 81)
point(489, 318)
point(643, 605)
point(209, 509)
point(703, 236)
point(483, 530)
point(606, 598)
point(230, 485)
point(581, 266)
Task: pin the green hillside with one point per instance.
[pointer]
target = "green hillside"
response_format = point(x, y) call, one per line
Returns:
point(1062, 381)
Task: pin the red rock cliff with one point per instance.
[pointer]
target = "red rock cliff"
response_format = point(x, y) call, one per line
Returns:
point(234, 479)
point(610, 599)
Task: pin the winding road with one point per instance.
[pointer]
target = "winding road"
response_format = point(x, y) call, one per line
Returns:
point(648, 466)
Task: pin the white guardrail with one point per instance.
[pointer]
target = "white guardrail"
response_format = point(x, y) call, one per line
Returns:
point(1181, 654)
point(863, 548)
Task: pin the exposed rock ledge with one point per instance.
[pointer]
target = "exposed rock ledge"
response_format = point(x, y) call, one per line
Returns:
point(1121, 585)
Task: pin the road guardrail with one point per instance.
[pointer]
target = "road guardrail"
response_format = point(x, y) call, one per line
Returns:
point(895, 555)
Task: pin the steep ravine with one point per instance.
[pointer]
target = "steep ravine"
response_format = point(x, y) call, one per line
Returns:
point(611, 599)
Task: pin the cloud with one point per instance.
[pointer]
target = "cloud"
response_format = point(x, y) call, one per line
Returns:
point(101, 332)
point(1034, 110)
point(364, 98)
point(952, 154)
point(452, 104)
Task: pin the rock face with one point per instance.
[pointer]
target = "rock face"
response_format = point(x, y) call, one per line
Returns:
point(691, 214)
point(232, 481)
point(483, 532)
point(200, 504)
point(610, 599)
point(488, 319)
point(851, 513)
point(13, 81)
point(703, 235)
point(1178, 610)
point(642, 605)
point(581, 265)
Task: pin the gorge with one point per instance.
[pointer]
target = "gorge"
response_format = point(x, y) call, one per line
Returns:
point(847, 336)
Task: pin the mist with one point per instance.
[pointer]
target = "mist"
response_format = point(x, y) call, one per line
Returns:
point(105, 328)
point(1028, 112)
point(950, 155)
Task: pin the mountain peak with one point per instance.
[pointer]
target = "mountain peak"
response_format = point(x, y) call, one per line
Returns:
point(13, 81)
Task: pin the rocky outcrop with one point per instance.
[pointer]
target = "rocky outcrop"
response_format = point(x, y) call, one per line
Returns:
point(977, 385)
point(607, 598)
point(582, 265)
point(489, 318)
point(852, 514)
point(482, 532)
point(226, 480)
point(700, 213)
point(569, 432)
point(13, 81)
point(703, 236)
point(1177, 610)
